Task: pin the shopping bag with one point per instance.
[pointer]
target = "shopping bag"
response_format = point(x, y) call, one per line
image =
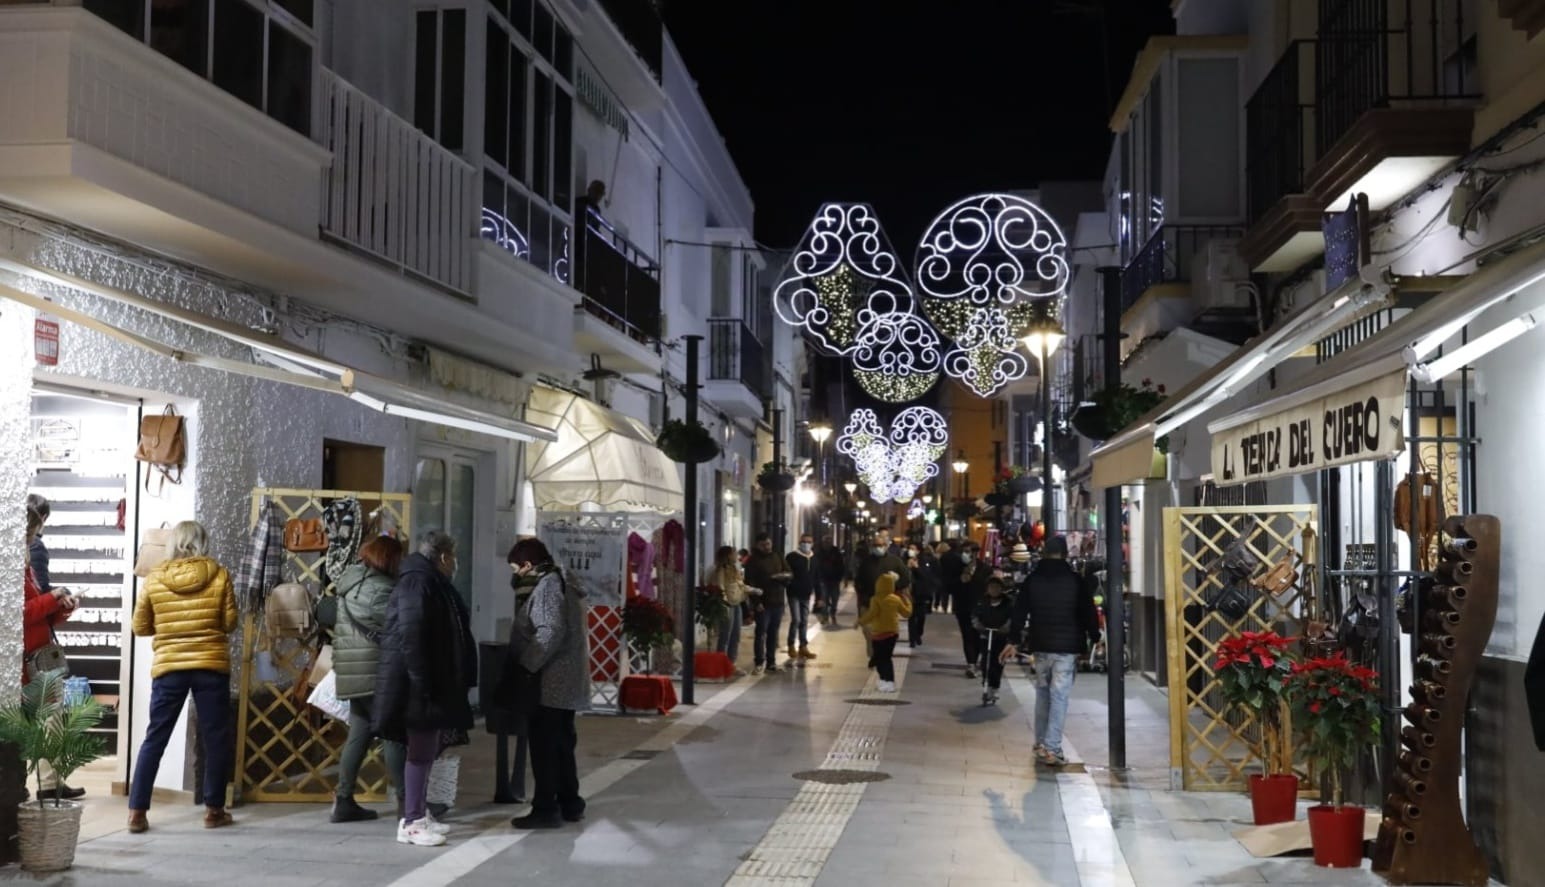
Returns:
point(442, 780)
point(324, 698)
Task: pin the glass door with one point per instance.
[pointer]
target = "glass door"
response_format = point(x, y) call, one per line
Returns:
point(445, 498)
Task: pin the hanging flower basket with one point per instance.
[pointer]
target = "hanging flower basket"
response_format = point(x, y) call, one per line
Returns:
point(999, 499)
point(774, 479)
point(1115, 407)
point(1025, 483)
point(690, 444)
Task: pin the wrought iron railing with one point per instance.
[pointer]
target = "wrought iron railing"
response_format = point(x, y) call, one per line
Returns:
point(1279, 129)
point(1379, 53)
point(1167, 258)
point(620, 282)
point(735, 354)
point(639, 22)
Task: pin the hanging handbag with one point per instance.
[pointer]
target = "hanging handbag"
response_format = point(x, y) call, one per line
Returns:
point(154, 550)
point(163, 445)
point(47, 658)
point(304, 535)
point(1428, 512)
point(1278, 579)
point(1238, 561)
point(1232, 600)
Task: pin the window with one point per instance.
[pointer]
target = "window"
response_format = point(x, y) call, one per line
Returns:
point(445, 498)
point(260, 51)
point(719, 281)
point(439, 75)
point(528, 135)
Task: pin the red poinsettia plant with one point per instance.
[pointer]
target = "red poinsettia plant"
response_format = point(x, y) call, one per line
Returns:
point(1253, 669)
point(647, 623)
point(1335, 704)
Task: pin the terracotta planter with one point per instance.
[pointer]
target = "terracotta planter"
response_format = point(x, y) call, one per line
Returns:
point(1274, 798)
point(1337, 835)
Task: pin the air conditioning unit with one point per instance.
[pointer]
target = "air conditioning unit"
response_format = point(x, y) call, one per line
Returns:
point(1223, 278)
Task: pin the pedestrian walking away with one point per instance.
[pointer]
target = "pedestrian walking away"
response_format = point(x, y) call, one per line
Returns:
point(803, 570)
point(768, 573)
point(832, 567)
point(991, 619)
point(1059, 607)
point(882, 622)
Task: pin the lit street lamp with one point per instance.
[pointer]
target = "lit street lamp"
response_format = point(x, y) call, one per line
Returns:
point(1042, 341)
point(961, 466)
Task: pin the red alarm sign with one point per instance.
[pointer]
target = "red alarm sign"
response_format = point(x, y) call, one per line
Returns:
point(45, 341)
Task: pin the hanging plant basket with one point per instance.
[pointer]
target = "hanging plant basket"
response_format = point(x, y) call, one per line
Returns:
point(1115, 407)
point(689, 444)
point(1025, 483)
point(999, 499)
point(775, 481)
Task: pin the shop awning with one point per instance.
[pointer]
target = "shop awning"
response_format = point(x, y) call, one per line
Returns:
point(285, 363)
point(598, 456)
point(1331, 410)
point(1127, 456)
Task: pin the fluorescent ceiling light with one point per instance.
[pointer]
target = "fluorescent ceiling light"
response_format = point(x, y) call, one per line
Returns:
point(1473, 350)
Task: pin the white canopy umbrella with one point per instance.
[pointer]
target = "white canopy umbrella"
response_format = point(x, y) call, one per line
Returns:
point(601, 457)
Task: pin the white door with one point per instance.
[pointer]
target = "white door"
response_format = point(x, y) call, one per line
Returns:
point(451, 493)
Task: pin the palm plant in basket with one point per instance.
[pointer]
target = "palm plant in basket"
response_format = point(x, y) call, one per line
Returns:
point(1335, 706)
point(1253, 670)
point(44, 725)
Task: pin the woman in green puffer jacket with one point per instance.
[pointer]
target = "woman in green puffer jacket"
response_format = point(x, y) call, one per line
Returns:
point(363, 591)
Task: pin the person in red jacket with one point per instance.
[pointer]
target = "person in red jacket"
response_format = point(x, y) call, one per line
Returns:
point(41, 611)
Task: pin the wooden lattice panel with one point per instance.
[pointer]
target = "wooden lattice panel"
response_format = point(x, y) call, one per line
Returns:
point(1212, 747)
point(286, 750)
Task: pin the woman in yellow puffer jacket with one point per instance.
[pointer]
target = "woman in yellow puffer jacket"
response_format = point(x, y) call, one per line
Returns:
point(187, 605)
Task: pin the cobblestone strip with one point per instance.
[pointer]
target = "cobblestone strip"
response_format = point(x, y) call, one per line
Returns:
point(796, 846)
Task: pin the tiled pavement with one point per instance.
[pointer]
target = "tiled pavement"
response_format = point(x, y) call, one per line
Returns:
point(961, 807)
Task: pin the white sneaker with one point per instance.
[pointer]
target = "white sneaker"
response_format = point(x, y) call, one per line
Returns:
point(886, 686)
point(418, 834)
point(435, 825)
point(758, 669)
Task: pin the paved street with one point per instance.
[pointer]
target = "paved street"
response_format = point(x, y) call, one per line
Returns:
point(708, 796)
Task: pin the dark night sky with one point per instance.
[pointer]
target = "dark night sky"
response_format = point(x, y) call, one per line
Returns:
point(903, 104)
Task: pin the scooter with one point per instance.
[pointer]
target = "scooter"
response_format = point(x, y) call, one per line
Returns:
point(989, 695)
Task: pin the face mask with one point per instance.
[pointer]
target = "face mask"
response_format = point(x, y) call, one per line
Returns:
point(805, 547)
point(878, 549)
point(911, 552)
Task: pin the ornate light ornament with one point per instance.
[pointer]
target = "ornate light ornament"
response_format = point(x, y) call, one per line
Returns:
point(981, 265)
point(846, 287)
point(894, 463)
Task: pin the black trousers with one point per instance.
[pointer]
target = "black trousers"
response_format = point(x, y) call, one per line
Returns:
point(1000, 639)
point(970, 641)
point(884, 665)
point(917, 621)
point(552, 763)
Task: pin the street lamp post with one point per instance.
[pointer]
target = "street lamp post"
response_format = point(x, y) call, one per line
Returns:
point(852, 488)
point(961, 466)
point(1043, 339)
point(820, 432)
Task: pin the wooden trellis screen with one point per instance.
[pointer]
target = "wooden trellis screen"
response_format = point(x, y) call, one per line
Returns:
point(285, 749)
point(1213, 748)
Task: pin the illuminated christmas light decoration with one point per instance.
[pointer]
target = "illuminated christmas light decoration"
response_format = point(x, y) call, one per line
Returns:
point(894, 464)
point(895, 389)
point(981, 265)
point(915, 510)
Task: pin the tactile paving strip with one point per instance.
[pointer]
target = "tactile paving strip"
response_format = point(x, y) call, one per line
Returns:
point(796, 847)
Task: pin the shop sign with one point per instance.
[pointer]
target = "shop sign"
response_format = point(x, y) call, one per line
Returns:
point(1353, 425)
point(590, 556)
point(45, 341)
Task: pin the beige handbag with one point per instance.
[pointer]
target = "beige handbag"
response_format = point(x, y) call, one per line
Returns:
point(155, 549)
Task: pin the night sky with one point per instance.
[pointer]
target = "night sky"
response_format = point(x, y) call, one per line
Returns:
point(907, 105)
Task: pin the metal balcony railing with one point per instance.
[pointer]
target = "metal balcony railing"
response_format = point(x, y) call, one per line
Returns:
point(620, 282)
point(1381, 53)
point(640, 24)
point(735, 354)
point(1279, 130)
point(393, 192)
point(1167, 258)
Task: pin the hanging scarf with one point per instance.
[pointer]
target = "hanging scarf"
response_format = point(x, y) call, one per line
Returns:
point(641, 563)
point(672, 540)
point(345, 529)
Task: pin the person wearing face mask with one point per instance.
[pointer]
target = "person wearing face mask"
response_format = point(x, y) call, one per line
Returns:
point(925, 583)
point(421, 677)
point(768, 572)
point(966, 585)
point(802, 582)
point(876, 562)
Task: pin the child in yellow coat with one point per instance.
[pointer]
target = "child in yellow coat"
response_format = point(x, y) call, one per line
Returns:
point(882, 619)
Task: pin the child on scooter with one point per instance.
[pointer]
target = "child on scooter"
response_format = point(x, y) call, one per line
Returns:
point(991, 618)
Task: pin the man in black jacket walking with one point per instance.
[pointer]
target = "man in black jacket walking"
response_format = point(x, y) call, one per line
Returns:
point(1060, 608)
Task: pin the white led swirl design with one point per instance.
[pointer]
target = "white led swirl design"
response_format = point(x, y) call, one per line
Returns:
point(894, 464)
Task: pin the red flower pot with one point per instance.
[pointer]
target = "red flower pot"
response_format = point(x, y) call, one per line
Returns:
point(1337, 835)
point(1274, 798)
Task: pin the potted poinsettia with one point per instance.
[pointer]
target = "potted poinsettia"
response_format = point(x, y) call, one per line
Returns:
point(649, 626)
point(1335, 707)
point(1253, 669)
point(1017, 480)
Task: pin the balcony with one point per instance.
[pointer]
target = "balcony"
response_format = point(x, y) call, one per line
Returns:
point(1162, 268)
point(738, 368)
point(1279, 145)
point(619, 316)
point(640, 25)
point(392, 193)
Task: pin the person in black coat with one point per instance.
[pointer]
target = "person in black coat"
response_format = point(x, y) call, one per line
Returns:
point(926, 582)
point(832, 568)
point(427, 664)
point(967, 580)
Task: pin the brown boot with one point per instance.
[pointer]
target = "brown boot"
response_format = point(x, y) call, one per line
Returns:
point(804, 653)
point(216, 817)
point(137, 822)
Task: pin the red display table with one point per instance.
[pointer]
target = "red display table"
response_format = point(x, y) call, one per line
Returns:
point(645, 692)
point(711, 665)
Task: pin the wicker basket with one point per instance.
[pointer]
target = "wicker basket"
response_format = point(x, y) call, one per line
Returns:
point(48, 835)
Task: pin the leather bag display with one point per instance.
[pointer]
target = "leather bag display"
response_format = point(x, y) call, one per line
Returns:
point(304, 535)
point(1428, 512)
point(163, 445)
point(155, 549)
point(1278, 579)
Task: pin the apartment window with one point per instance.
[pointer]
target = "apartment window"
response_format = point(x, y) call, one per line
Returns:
point(439, 78)
point(528, 137)
point(260, 51)
point(721, 260)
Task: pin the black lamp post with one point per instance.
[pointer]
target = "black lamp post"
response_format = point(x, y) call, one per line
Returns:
point(1043, 339)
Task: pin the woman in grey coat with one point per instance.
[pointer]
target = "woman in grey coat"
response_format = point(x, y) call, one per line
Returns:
point(548, 639)
point(363, 591)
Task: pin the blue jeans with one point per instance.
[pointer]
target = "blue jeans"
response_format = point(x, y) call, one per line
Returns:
point(799, 615)
point(212, 700)
point(764, 647)
point(830, 591)
point(1054, 673)
point(729, 631)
